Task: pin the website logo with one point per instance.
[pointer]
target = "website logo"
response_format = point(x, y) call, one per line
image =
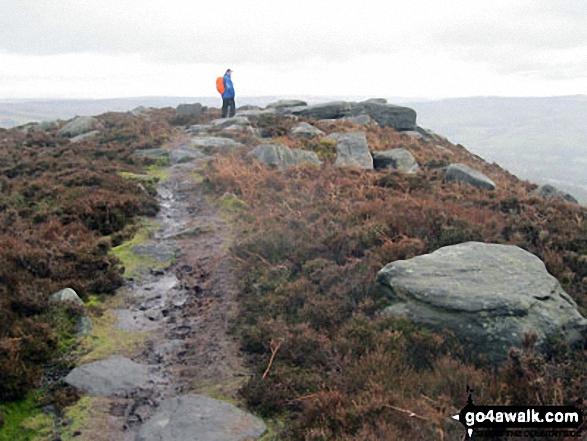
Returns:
point(522, 421)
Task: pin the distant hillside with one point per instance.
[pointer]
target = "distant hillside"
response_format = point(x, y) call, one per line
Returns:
point(543, 140)
point(15, 113)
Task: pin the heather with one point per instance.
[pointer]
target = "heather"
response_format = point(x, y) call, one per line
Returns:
point(328, 364)
point(63, 206)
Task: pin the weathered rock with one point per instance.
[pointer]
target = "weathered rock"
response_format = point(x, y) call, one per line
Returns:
point(551, 193)
point(305, 130)
point(190, 109)
point(85, 136)
point(196, 417)
point(361, 119)
point(199, 128)
point(489, 295)
point(376, 101)
point(414, 134)
point(227, 122)
point(286, 103)
point(78, 126)
point(65, 296)
point(45, 126)
point(387, 115)
point(247, 107)
point(465, 174)
point(281, 156)
point(139, 111)
point(397, 159)
point(212, 142)
point(352, 150)
point(159, 252)
point(108, 377)
point(334, 110)
point(185, 153)
point(254, 114)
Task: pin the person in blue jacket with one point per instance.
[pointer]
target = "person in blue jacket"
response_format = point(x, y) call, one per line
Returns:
point(228, 106)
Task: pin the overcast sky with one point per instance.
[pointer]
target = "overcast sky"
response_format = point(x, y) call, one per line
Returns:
point(416, 48)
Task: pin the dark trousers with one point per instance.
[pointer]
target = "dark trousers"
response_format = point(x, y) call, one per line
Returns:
point(228, 107)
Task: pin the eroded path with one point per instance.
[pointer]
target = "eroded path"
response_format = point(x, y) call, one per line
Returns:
point(184, 310)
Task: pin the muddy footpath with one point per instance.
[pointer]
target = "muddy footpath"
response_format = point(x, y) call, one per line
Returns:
point(181, 382)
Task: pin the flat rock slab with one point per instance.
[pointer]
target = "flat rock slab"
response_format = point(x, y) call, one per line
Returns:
point(108, 377)
point(159, 252)
point(489, 295)
point(281, 156)
point(215, 142)
point(199, 418)
point(133, 320)
point(186, 153)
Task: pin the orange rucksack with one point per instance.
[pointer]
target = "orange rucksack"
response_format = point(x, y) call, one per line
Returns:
point(220, 85)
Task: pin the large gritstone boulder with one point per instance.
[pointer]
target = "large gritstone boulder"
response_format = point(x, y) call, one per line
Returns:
point(489, 295)
point(388, 115)
point(467, 175)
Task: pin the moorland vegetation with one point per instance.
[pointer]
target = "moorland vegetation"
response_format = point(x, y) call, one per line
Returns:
point(308, 242)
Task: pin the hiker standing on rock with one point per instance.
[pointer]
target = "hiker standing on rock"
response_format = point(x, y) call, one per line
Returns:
point(228, 106)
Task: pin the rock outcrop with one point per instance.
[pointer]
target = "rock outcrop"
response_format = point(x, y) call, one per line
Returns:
point(186, 153)
point(78, 126)
point(377, 110)
point(387, 115)
point(467, 175)
point(396, 159)
point(305, 130)
point(333, 110)
point(196, 417)
point(66, 296)
point(286, 103)
point(190, 109)
point(551, 193)
point(352, 150)
point(212, 142)
point(489, 295)
point(281, 156)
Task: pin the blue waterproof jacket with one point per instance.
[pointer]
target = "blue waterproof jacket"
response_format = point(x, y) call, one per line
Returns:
point(228, 87)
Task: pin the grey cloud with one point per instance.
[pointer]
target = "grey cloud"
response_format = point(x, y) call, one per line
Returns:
point(48, 28)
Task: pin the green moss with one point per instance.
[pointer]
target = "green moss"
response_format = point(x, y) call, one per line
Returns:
point(141, 178)
point(325, 149)
point(135, 264)
point(226, 390)
point(106, 340)
point(274, 427)
point(24, 421)
point(158, 171)
point(89, 419)
point(231, 204)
